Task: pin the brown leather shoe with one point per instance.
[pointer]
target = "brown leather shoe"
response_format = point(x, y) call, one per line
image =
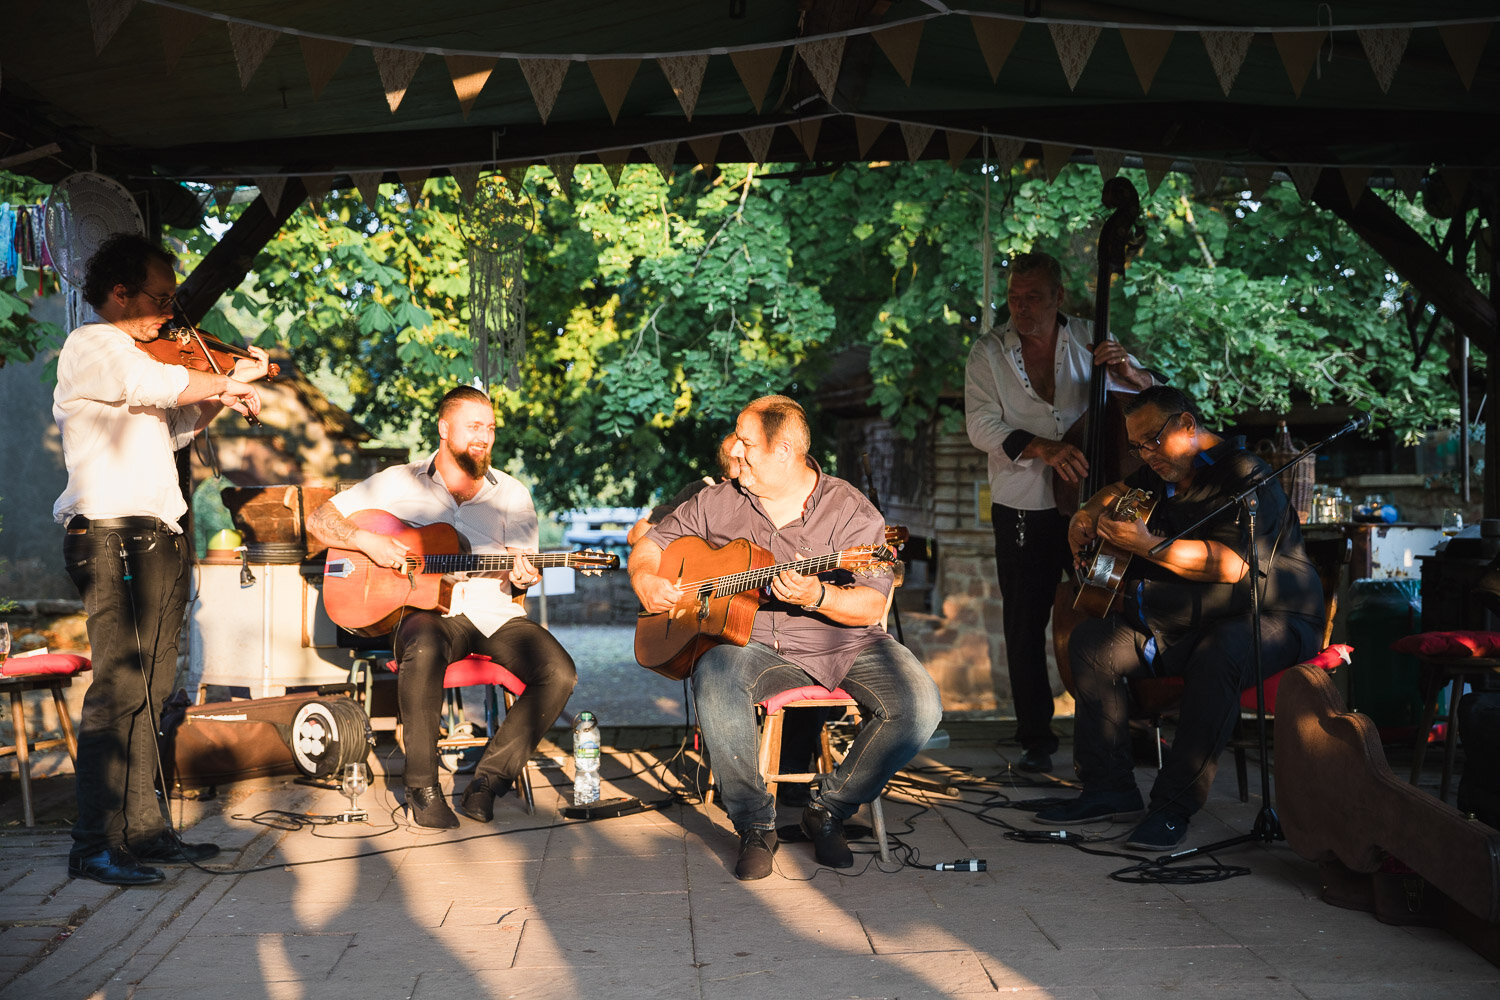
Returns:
point(757, 847)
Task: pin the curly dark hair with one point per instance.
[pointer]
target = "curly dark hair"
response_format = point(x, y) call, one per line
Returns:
point(121, 259)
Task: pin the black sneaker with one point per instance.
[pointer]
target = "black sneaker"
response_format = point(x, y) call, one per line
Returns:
point(167, 848)
point(1159, 832)
point(756, 850)
point(1092, 807)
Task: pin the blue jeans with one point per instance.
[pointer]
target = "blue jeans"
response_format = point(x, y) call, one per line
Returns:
point(901, 705)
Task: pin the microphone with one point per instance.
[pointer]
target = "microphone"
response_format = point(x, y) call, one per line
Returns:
point(1358, 423)
point(962, 865)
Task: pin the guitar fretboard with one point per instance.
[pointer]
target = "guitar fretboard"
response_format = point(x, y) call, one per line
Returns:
point(472, 563)
point(754, 579)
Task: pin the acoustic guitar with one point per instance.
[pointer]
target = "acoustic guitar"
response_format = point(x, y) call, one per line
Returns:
point(721, 589)
point(369, 600)
point(1100, 586)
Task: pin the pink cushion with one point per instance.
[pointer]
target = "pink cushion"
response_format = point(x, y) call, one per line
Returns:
point(473, 670)
point(66, 664)
point(811, 692)
point(1455, 644)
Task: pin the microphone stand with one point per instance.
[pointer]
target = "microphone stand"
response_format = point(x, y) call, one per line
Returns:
point(1267, 826)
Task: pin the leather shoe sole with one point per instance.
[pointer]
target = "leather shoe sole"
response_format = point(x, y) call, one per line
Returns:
point(114, 868)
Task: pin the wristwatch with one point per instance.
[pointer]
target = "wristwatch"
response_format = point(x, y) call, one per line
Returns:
point(822, 593)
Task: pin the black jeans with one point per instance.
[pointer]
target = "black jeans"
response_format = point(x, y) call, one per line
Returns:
point(426, 643)
point(1216, 666)
point(1031, 555)
point(134, 585)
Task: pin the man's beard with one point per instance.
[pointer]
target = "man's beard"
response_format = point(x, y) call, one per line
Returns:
point(473, 467)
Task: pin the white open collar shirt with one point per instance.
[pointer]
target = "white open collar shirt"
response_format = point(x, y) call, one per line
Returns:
point(116, 408)
point(499, 516)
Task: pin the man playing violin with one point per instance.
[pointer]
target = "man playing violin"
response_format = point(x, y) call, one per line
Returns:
point(1185, 613)
point(123, 415)
point(1025, 385)
point(494, 513)
point(808, 630)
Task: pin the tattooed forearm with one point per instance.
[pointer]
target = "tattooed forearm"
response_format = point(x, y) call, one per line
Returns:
point(331, 527)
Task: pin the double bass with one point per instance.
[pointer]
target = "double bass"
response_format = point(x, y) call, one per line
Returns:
point(1100, 432)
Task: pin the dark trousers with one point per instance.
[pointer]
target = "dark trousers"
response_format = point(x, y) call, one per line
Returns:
point(1216, 666)
point(134, 585)
point(1031, 555)
point(426, 643)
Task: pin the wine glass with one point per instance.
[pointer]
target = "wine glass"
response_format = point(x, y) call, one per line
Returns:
point(4, 642)
point(356, 779)
point(1453, 522)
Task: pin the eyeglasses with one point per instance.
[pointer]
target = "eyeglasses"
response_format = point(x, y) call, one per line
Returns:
point(1137, 450)
point(163, 302)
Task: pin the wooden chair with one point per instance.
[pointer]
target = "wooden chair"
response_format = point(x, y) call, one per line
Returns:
point(1459, 658)
point(50, 672)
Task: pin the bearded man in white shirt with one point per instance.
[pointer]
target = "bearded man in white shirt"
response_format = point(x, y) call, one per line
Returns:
point(123, 415)
point(1026, 383)
point(494, 513)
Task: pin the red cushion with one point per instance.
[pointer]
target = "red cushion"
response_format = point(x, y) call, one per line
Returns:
point(1329, 659)
point(811, 692)
point(1455, 644)
point(476, 669)
point(67, 664)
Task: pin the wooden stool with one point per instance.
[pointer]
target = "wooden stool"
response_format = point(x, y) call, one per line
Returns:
point(53, 672)
point(1458, 656)
point(771, 712)
point(481, 670)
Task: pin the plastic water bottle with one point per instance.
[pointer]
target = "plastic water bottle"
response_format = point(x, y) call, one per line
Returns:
point(585, 759)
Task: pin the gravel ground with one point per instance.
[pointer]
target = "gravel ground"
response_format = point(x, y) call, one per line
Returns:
point(611, 684)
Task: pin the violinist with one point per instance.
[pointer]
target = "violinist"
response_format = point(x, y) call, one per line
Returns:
point(1026, 384)
point(122, 414)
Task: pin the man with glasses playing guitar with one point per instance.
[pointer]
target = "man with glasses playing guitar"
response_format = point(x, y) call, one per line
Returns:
point(814, 622)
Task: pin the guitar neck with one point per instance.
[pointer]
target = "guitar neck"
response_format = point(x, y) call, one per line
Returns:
point(494, 563)
point(761, 576)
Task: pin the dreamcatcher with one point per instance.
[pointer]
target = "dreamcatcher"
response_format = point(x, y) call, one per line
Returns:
point(84, 210)
point(496, 222)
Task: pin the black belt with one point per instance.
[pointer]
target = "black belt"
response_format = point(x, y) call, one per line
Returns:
point(134, 523)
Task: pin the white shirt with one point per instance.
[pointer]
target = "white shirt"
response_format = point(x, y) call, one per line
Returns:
point(116, 407)
point(999, 399)
point(500, 515)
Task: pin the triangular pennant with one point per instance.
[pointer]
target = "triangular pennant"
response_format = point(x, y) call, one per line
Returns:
point(1110, 161)
point(822, 59)
point(756, 67)
point(545, 78)
point(614, 161)
point(413, 181)
point(562, 167)
point(706, 149)
point(251, 44)
point(271, 189)
point(1156, 167)
point(1075, 43)
point(1146, 49)
point(664, 155)
point(758, 142)
point(1258, 178)
point(397, 67)
point(515, 177)
point(1457, 181)
point(1465, 44)
point(1007, 151)
point(685, 76)
point(899, 44)
point(178, 29)
point(322, 57)
point(960, 144)
point(1227, 51)
point(1206, 174)
point(368, 185)
point(996, 39)
point(1409, 180)
point(1304, 178)
point(917, 137)
point(105, 17)
point(1355, 180)
point(1384, 47)
point(613, 78)
point(466, 176)
point(469, 75)
point(1054, 158)
point(866, 131)
point(317, 186)
point(806, 130)
point(1299, 51)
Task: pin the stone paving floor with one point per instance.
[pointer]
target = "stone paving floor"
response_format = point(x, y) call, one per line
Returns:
point(645, 905)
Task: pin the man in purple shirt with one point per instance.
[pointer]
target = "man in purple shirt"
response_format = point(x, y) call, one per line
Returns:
point(822, 629)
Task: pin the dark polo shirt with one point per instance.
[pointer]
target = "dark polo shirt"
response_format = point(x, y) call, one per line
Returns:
point(836, 517)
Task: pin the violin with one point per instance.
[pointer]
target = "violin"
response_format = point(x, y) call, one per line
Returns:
point(181, 343)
